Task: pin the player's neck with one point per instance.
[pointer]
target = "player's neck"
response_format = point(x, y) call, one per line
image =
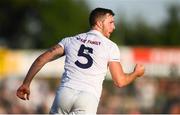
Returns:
point(98, 29)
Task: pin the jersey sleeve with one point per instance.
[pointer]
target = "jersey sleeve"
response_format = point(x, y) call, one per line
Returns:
point(63, 42)
point(114, 54)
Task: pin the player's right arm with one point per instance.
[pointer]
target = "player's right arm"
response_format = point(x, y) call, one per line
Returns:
point(122, 79)
point(53, 53)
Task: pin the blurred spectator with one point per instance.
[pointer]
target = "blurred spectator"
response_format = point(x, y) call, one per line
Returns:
point(147, 95)
point(174, 108)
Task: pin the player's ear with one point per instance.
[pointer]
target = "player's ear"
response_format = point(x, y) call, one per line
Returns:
point(99, 24)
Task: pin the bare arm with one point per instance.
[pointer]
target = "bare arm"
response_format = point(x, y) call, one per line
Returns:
point(122, 79)
point(51, 54)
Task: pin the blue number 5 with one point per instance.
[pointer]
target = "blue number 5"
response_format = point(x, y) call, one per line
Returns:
point(84, 52)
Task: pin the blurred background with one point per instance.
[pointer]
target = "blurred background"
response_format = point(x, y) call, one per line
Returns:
point(147, 32)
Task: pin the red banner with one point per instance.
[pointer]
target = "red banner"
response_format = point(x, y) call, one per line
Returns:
point(157, 55)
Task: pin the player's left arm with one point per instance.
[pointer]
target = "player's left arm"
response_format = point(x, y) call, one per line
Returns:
point(122, 79)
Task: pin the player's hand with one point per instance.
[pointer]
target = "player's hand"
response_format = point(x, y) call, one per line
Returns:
point(139, 70)
point(23, 92)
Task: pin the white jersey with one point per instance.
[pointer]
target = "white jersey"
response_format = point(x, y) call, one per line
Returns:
point(86, 62)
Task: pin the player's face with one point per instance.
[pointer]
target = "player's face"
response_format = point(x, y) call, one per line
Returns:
point(108, 25)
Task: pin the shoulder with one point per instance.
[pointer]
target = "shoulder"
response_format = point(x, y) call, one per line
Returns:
point(111, 46)
point(110, 43)
point(81, 35)
point(75, 36)
point(70, 39)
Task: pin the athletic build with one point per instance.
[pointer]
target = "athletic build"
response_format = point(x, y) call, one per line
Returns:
point(88, 56)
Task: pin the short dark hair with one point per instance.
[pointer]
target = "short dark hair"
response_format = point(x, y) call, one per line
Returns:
point(98, 12)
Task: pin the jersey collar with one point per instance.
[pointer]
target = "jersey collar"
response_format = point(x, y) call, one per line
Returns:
point(97, 33)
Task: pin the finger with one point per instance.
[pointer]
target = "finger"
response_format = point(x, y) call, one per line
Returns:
point(27, 95)
point(21, 95)
point(23, 98)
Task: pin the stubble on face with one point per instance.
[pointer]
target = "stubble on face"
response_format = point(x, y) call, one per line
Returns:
point(108, 25)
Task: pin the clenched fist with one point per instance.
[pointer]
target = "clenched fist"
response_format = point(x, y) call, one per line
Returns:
point(23, 92)
point(139, 70)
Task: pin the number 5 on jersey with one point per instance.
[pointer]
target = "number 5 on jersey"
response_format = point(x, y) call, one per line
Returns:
point(84, 52)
